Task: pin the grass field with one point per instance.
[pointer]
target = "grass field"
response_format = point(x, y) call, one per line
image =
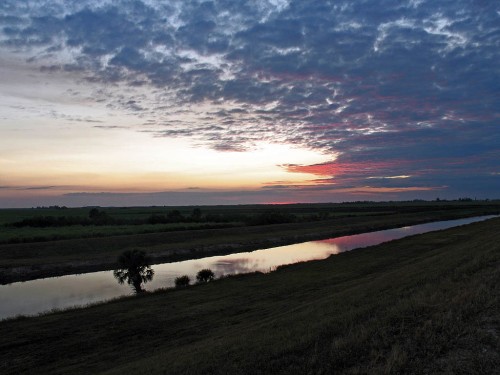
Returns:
point(423, 304)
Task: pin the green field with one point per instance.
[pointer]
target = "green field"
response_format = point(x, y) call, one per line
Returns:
point(423, 304)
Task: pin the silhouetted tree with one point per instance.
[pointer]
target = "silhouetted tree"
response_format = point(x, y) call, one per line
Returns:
point(196, 214)
point(273, 217)
point(204, 276)
point(100, 217)
point(175, 216)
point(135, 269)
point(93, 213)
point(50, 221)
point(157, 219)
point(182, 281)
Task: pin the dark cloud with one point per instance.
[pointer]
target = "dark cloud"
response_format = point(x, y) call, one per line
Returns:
point(110, 127)
point(28, 188)
point(40, 188)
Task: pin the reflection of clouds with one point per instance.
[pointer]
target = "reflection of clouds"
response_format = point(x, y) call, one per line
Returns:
point(237, 265)
point(347, 243)
point(32, 297)
point(264, 260)
point(333, 246)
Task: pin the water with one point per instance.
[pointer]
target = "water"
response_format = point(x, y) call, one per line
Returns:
point(32, 297)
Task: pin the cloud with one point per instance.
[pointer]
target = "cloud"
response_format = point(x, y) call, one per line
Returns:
point(378, 87)
point(110, 127)
point(28, 188)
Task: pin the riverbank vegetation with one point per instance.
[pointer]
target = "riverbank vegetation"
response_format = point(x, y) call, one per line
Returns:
point(29, 260)
point(423, 304)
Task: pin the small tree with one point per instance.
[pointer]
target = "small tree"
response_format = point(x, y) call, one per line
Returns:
point(134, 269)
point(175, 216)
point(94, 213)
point(182, 281)
point(100, 217)
point(204, 276)
point(196, 214)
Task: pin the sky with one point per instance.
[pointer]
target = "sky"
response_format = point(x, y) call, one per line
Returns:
point(190, 102)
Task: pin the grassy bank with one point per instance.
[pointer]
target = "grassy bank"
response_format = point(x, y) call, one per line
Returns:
point(424, 304)
point(50, 258)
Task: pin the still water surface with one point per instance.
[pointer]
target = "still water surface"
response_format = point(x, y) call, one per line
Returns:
point(32, 297)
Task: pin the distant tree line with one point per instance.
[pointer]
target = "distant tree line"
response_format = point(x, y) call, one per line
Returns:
point(101, 217)
point(95, 217)
point(51, 207)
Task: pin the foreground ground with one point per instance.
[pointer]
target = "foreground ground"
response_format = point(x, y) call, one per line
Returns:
point(29, 260)
point(424, 304)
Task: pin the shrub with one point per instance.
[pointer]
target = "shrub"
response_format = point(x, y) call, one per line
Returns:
point(182, 281)
point(272, 217)
point(204, 276)
point(157, 219)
